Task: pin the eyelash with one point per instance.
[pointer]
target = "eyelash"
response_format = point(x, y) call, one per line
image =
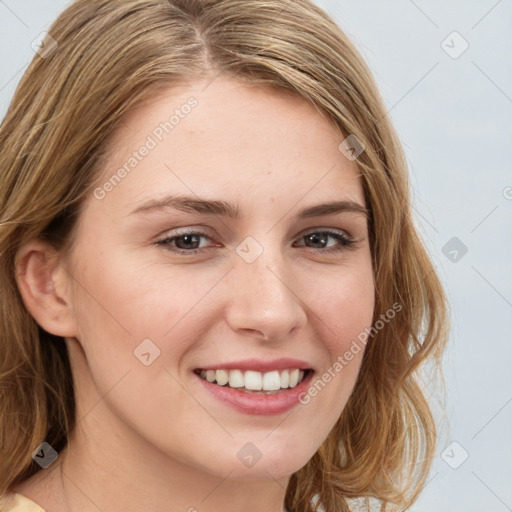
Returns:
point(345, 242)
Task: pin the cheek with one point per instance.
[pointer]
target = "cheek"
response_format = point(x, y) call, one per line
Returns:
point(345, 306)
point(124, 302)
point(345, 310)
point(134, 299)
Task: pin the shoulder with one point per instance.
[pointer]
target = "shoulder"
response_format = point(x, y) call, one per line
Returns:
point(15, 502)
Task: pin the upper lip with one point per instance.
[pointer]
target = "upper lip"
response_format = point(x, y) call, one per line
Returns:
point(260, 365)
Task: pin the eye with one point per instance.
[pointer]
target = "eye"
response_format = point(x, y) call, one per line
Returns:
point(188, 242)
point(192, 242)
point(319, 240)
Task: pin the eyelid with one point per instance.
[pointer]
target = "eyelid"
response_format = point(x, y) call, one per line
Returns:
point(203, 231)
point(322, 229)
point(189, 230)
point(345, 240)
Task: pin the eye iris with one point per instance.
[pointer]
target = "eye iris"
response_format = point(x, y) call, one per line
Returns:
point(188, 239)
point(317, 239)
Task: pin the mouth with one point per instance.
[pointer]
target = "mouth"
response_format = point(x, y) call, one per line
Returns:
point(254, 382)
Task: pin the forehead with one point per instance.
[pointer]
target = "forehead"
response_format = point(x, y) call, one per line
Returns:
point(228, 137)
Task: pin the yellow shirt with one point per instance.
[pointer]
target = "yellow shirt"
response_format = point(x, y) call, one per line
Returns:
point(16, 502)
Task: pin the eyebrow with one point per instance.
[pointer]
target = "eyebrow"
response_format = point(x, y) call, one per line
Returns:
point(224, 209)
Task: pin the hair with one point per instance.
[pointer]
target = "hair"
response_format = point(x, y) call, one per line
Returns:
point(112, 56)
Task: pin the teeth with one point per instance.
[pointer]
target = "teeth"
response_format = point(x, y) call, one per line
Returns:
point(294, 378)
point(271, 381)
point(222, 377)
point(255, 381)
point(285, 378)
point(236, 379)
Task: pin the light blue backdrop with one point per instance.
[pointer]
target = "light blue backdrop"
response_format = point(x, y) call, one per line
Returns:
point(445, 71)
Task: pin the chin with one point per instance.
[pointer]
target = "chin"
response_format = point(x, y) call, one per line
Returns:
point(267, 462)
point(275, 469)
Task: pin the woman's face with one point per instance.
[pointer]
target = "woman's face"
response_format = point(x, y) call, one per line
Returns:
point(212, 251)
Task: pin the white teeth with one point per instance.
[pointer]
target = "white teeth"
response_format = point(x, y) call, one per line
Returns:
point(271, 381)
point(255, 381)
point(285, 378)
point(294, 378)
point(222, 377)
point(236, 379)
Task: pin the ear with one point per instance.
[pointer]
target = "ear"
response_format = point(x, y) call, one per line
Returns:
point(44, 285)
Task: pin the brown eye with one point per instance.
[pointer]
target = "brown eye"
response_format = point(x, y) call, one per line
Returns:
point(184, 243)
point(320, 240)
point(187, 241)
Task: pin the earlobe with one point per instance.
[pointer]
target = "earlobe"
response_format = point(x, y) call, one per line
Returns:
point(44, 285)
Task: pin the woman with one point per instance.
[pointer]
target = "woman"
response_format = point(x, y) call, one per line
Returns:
point(213, 294)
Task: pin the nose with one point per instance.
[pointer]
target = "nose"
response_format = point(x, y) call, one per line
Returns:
point(263, 301)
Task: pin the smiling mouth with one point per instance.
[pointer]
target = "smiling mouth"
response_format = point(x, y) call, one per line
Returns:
point(254, 382)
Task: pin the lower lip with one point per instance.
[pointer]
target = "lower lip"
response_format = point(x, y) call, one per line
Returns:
point(258, 404)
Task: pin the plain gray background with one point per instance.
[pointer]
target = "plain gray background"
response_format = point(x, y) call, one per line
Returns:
point(453, 112)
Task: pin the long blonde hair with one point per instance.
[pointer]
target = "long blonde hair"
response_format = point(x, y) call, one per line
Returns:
point(108, 57)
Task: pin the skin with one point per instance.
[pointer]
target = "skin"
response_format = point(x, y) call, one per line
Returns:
point(150, 437)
